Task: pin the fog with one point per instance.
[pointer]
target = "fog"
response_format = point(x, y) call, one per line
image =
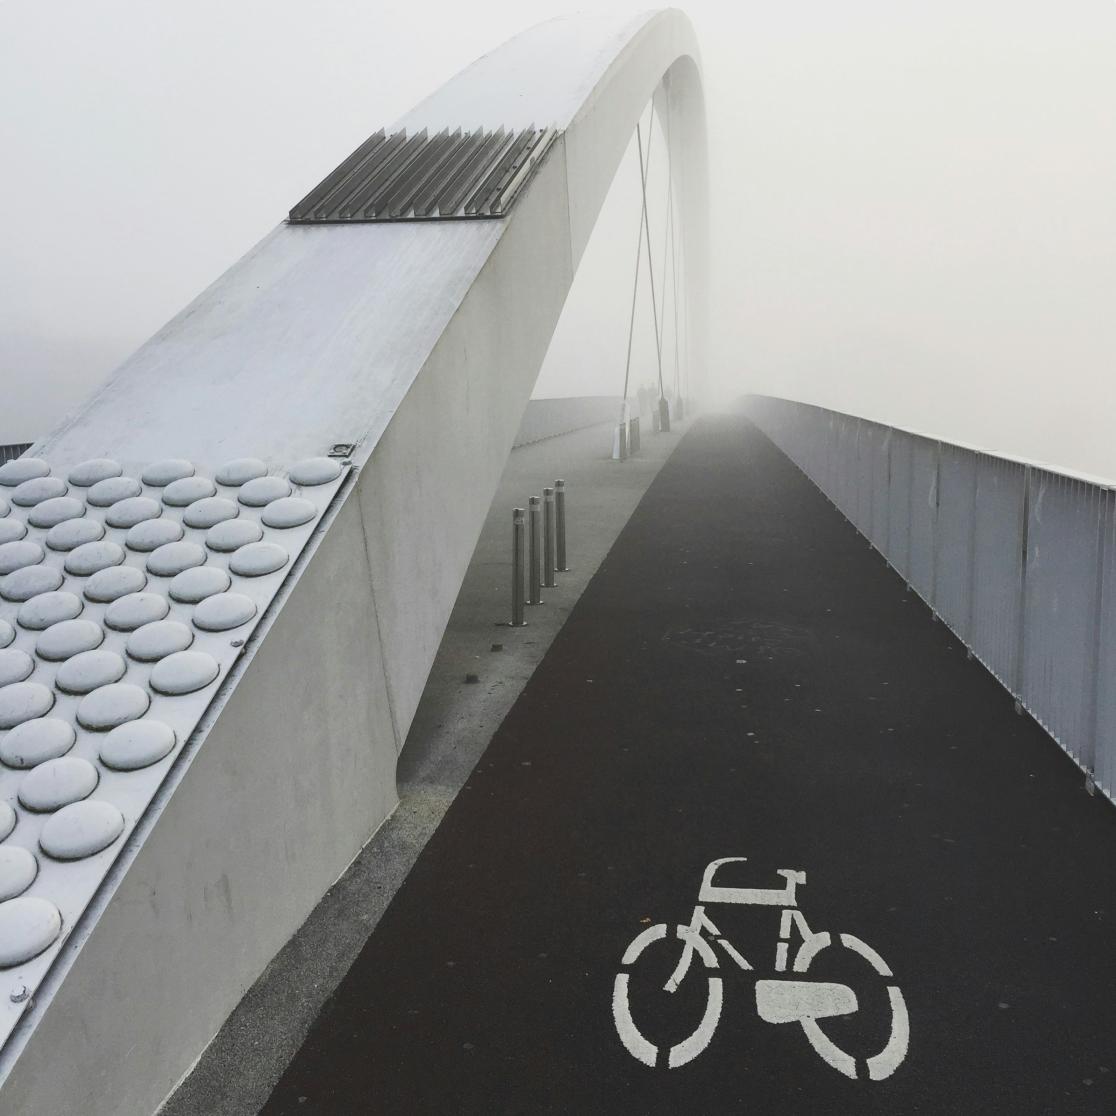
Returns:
point(911, 203)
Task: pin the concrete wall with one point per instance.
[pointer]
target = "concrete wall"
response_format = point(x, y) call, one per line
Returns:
point(295, 774)
point(299, 765)
point(547, 418)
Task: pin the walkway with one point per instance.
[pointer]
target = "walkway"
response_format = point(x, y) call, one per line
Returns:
point(743, 677)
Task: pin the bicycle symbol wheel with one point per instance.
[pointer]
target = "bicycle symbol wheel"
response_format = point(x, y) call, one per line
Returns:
point(887, 1060)
point(633, 1039)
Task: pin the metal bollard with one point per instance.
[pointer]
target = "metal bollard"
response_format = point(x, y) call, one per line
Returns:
point(519, 531)
point(548, 538)
point(560, 517)
point(620, 443)
point(633, 435)
point(664, 415)
point(534, 596)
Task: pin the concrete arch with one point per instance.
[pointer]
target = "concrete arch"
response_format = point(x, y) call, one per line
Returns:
point(420, 343)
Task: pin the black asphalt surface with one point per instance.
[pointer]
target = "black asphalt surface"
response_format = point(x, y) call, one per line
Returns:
point(744, 677)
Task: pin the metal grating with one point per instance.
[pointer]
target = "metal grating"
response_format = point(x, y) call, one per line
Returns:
point(448, 176)
point(10, 453)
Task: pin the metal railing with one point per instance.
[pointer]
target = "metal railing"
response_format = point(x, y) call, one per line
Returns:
point(1018, 558)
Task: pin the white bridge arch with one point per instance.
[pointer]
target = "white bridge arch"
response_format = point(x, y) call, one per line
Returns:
point(419, 342)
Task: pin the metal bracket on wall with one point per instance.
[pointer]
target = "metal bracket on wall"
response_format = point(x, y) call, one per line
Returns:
point(449, 176)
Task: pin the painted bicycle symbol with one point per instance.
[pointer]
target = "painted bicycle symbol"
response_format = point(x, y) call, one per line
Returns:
point(778, 1000)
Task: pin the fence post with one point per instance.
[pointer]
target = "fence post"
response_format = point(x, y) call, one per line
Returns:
point(548, 538)
point(519, 530)
point(560, 517)
point(535, 557)
point(1021, 647)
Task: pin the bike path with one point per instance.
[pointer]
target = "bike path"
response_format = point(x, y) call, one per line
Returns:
point(744, 677)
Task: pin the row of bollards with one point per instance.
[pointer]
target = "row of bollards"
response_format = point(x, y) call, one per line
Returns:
point(541, 540)
point(625, 437)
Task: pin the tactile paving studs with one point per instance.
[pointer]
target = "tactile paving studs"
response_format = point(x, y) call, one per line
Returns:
point(260, 492)
point(80, 830)
point(17, 555)
point(35, 491)
point(23, 701)
point(74, 532)
point(89, 473)
point(57, 783)
point(37, 741)
point(28, 925)
point(92, 557)
point(161, 473)
point(315, 470)
point(105, 493)
point(113, 583)
point(135, 610)
point(233, 534)
point(156, 541)
point(223, 612)
point(110, 706)
point(136, 745)
point(157, 640)
point(52, 512)
point(68, 638)
point(13, 473)
point(127, 513)
point(48, 608)
point(89, 671)
point(209, 512)
point(30, 582)
point(152, 534)
point(195, 585)
point(258, 559)
point(184, 672)
point(240, 471)
point(180, 493)
point(174, 558)
point(15, 666)
point(288, 511)
point(18, 869)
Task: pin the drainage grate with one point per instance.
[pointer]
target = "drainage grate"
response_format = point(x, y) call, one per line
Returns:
point(451, 175)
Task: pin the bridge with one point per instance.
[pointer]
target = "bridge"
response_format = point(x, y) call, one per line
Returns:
point(795, 790)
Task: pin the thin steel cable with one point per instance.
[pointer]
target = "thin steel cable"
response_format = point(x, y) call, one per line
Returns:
point(639, 253)
point(673, 264)
point(666, 233)
point(650, 265)
point(668, 238)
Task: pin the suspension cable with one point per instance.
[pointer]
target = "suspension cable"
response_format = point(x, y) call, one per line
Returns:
point(639, 246)
point(650, 264)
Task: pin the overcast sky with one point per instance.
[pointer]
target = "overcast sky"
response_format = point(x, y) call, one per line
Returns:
point(912, 202)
